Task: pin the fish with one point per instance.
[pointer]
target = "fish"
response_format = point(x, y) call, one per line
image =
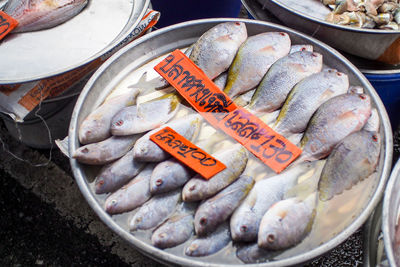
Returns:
point(96, 127)
point(177, 229)
point(332, 122)
point(306, 97)
point(215, 50)
point(146, 116)
point(105, 151)
point(155, 211)
point(285, 73)
point(215, 210)
point(131, 195)
point(210, 244)
point(254, 58)
point(169, 175)
point(244, 99)
point(252, 253)
point(373, 123)
point(147, 151)
point(114, 175)
point(301, 47)
point(220, 81)
point(245, 220)
point(287, 223)
point(351, 161)
point(235, 160)
point(35, 15)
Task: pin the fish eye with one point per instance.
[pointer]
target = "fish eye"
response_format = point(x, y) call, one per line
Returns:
point(237, 23)
point(304, 49)
point(363, 96)
point(203, 221)
point(270, 238)
point(85, 150)
point(193, 187)
point(100, 182)
point(159, 182)
point(339, 74)
point(119, 123)
point(282, 33)
point(375, 138)
point(243, 229)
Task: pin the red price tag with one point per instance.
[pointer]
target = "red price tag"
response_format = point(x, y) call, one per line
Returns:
point(187, 153)
point(218, 109)
point(7, 24)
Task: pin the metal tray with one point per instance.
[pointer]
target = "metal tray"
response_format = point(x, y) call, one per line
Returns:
point(100, 26)
point(160, 42)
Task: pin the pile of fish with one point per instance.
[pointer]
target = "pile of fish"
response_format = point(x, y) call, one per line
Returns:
point(286, 86)
point(380, 14)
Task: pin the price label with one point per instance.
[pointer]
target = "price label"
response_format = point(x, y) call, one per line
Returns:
point(218, 109)
point(7, 24)
point(187, 153)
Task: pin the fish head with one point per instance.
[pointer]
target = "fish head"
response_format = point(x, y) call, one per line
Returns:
point(161, 239)
point(191, 191)
point(122, 121)
point(101, 185)
point(136, 222)
point(89, 130)
point(306, 61)
point(236, 31)
point(157, 184)
point(271, 236)
point(244, 227)
point(195, 249)
point(111, 206)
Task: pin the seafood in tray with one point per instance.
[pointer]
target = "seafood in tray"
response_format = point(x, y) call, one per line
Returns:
point(246, 208)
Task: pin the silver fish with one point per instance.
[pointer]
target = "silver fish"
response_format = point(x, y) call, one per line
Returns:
point(221, 80)
point(105, 151)
point(147, 151)
point(286, 223)
point(96, 126)
point(353, 160)
point(34, 15)
point(214, 242)
point(131, 195)
point(215, 50)
point(306, 97)
point(177, 229)
point(146, 116)
point(169, 175)
point(303, 47)
point(253, 60)
point(246, 219)
point(285, 73)
point(217, 209)
point(244, 99)
point(332, 122)
point(155, 211)
point(235, 160)
point(254, 254)
point(114, 175)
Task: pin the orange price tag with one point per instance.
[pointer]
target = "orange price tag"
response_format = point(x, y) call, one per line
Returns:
point(187, 153)
point(218, 109)
point(7, 24)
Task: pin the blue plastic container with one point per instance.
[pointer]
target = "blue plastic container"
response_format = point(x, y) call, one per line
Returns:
point(175, 11)
point(388, 88)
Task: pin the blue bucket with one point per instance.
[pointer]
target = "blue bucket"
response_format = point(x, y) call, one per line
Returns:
point(388, 88)
point(173, 12)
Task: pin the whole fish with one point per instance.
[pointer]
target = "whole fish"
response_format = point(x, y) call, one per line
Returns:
point(96, 126)
point(306, 97)
point(254, 254)
point(177, 229)
point(155, 211)
point(34, 15)
point(285, 73)
point(169, 175)
point(286, 223)
point(131, 195)
point(147, 151)
point(235, 160)
point(105, 151)
point(214, 242)
point(303, 47)
point(254, 58)
point(217, 209)
point(146, 116)
point(353, 160)
point(332, 122)
point(114, 175)
point(246, 219)
point(215, 50)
